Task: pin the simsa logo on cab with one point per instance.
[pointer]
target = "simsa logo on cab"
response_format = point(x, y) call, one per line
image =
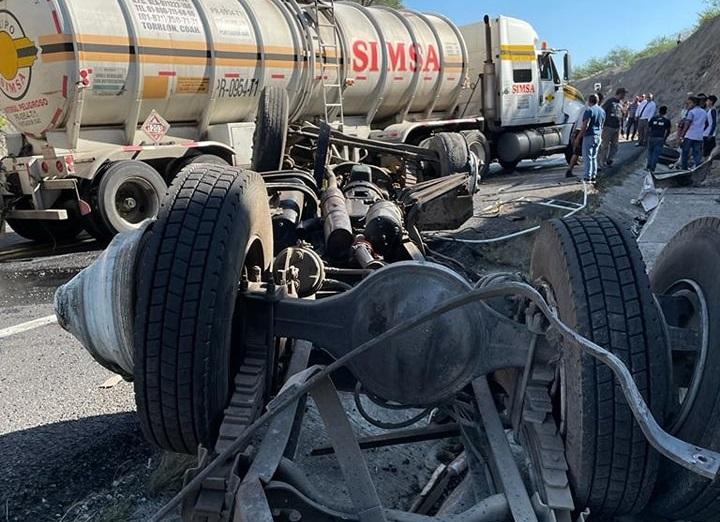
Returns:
point(523, 88)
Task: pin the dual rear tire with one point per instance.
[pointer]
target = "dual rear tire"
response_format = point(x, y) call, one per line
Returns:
point(598, 280)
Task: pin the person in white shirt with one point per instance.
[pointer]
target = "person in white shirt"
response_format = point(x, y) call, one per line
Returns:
point(692, 133)
point(645, 112)
point(710, 126)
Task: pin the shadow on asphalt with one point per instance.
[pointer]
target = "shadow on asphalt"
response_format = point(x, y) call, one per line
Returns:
point(47, 469)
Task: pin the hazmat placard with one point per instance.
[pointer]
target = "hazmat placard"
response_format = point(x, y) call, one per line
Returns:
point(155, 127)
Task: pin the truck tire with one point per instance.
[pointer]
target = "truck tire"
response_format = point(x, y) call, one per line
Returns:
point(46, 230)
point(214, 223)
point(509, 166)
point(598, 279)
point(271, 128)
point(129, 192)
point(177, 165)
point(453, 151)
point(693, 255)
point(479, 145)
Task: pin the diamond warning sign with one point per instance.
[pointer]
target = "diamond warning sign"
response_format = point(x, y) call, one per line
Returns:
point(155, 127)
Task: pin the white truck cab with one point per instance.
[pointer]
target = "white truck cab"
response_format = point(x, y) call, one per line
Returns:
point(528, 106)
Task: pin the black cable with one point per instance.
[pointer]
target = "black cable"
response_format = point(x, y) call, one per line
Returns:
point(333, 284)
point(383, 424)
point(450, 262)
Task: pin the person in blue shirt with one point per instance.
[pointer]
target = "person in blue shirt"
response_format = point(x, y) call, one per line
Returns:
point(589, 136)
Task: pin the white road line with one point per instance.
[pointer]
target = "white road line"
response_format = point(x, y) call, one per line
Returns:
point(30, 325)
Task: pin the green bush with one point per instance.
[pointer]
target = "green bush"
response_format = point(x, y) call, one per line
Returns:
point(708, 14)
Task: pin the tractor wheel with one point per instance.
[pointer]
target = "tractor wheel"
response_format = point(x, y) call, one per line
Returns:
point(597, 276)
point(479, 145)
point(214, 224)
point(453, 151)
point(686, 273)
point(48, 231)
point(509, 166)
point(271, 128)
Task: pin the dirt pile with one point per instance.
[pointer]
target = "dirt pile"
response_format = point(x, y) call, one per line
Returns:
point(693, 66)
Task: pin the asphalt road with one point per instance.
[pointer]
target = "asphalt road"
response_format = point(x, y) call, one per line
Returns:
point(61, 435)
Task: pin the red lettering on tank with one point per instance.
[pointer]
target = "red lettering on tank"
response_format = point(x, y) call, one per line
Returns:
point(361, 59)
point(416, 57)
point(397, 56)
point(374, 58)
point(401, 57)
point(14, 86)
point(432, 62)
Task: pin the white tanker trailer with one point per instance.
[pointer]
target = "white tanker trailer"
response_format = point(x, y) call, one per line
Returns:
point(112, 98)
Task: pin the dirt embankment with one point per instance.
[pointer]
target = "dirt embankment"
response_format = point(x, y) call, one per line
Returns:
point(693, 66)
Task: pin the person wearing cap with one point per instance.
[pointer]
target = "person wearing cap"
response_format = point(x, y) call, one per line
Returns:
point(710, 126)
point(692, 133)
point(613, 108)
point(646, 111)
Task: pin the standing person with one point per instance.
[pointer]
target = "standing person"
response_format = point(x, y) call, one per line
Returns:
point(611, 130)
point(710, 126)
point(658, 130)
point(625, 113)
point(692, 134)
point(646, 111)
point(632, 121)
point(590, 136)
point(574, 144)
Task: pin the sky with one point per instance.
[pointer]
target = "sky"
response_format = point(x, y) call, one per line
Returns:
point(568, 24)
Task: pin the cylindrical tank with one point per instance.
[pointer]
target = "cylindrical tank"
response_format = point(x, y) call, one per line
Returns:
point(105, 63)
point(514, 146)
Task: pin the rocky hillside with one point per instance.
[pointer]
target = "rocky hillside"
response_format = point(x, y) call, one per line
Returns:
point(693, 66)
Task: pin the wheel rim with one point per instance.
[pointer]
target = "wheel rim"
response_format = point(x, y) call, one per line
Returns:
point(136, 200)
point(688, 358)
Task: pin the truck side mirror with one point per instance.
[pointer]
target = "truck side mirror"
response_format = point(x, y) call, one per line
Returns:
point(567, 65)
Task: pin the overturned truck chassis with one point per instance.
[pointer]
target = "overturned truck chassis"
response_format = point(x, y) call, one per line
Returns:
point(239, 482)
point(405, 333)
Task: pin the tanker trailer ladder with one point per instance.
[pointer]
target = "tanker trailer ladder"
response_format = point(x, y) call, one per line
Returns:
point(332, 90)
